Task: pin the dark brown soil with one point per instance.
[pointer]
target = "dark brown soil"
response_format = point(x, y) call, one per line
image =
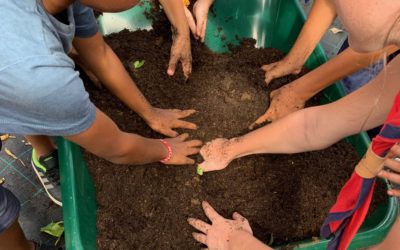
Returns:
point(285, 197)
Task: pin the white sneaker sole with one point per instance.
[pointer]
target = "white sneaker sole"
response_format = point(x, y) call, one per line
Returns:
point(44, 186)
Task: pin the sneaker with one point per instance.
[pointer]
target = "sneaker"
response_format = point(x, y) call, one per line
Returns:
point(48, 172)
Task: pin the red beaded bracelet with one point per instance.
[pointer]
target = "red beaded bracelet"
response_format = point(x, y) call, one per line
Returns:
point(169, 149)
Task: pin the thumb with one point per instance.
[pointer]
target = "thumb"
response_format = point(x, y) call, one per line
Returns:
point(268, 67)
point(269, 76)
point(265, 117)
point(237, 216)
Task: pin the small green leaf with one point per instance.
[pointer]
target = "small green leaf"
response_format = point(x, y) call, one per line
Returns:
point(55, 229)
point(138, 64)
point(199, 170)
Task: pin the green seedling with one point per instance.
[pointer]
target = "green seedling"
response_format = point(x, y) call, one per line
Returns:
point(199, 170)
point(55, 229)
point(138, 64)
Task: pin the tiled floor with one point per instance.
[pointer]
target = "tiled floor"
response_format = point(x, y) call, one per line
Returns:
point(36, 208)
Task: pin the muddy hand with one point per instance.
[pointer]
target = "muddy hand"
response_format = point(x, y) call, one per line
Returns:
point(200, 11)
point(280, 69)
point(181, 149)
point(217, 154)
point(165, 120)
point(284, 101)
point(180, 52)
point(218, 234)
point(393, 174)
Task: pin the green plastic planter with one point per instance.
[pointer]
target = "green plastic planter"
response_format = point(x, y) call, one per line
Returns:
point(272, 23)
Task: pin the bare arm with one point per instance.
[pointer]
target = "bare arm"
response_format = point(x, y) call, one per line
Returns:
point(105, 64)
point(313, 128)
point(344, 64)
point(106, 140)
point(293, 96)
point(321, 16)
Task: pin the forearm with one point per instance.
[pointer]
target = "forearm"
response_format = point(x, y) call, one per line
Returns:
point(174, 10)
point(108, 68)
point(241, 240)
point(107, 141)
point(318, 127)
point(335, 69)
point(321, 16)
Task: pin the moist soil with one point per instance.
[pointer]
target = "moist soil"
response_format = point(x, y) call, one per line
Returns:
point(285, 197)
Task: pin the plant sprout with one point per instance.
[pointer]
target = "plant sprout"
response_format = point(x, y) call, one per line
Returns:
point(199, 170)
point(138, 64)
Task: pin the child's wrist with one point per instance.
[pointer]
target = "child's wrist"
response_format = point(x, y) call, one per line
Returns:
point(168, 149)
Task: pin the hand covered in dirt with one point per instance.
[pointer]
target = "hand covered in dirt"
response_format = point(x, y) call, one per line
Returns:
point(283, 101)
point(180, 52)
point(219, 234)
point(279, 69)
point(200, 12)
point(165, 120)
point(181, 149)
point(393, 172)
point(217, 154)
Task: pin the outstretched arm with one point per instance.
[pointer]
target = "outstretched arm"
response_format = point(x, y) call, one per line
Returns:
point(106, 65)
point(313, 128)
point(293, 96)
point(104, 139)
point(321, 16)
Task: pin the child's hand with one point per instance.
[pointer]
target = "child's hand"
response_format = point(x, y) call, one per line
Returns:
point(279, 69)
point(180, 51)
point(165, 120)
point(284, 101)
point(217, 154)
point(200, 11)
point(181, 149)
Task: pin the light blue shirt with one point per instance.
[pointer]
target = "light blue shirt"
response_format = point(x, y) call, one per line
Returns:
point(40, 92)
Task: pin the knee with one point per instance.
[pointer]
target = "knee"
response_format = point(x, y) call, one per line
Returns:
point(9, 208)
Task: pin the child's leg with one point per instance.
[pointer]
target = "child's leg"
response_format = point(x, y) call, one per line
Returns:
point(45, 164)
point(42, 144)
point(14, 238)
point(11, 234)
